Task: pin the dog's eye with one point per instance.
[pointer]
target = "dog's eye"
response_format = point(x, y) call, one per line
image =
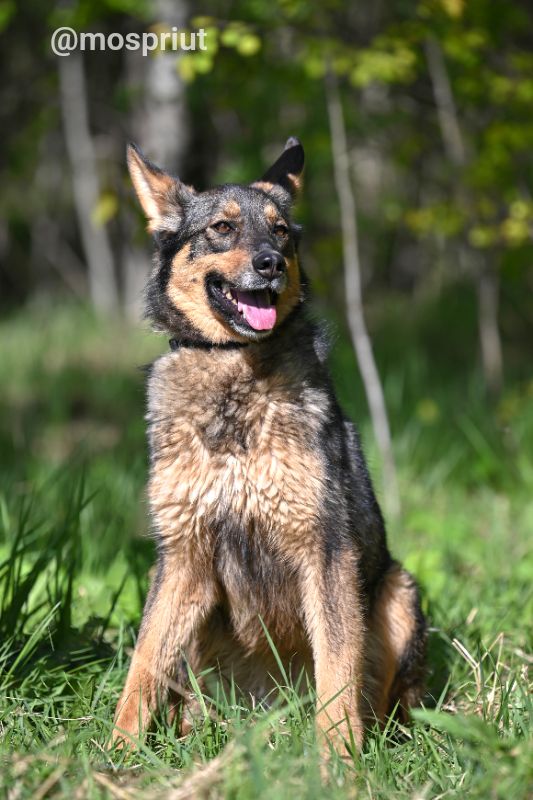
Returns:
point(280, 230)
point(222, 227)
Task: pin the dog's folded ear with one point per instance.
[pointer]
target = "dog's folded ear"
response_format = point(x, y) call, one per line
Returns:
point(286, 172)
point(162, 196)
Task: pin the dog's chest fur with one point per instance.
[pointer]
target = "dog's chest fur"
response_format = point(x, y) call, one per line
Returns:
point(236, 471)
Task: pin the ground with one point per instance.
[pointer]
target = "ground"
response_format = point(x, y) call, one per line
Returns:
point(74, 561)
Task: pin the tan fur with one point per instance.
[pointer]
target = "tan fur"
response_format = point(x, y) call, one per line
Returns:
point(238, 479)
point(292, 294)
point(295, 181)
point(338, 680)
point(264, 186)
point(276, 477)
point(271, 214)
point(391, 628)
point(179, 605)
point(156, 192)
point(186, 289)
point(230, 439)
point(152, 187)
point(272, 483)
point(231, 210)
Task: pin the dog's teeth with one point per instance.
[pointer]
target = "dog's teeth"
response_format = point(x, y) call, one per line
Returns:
point(226, 289)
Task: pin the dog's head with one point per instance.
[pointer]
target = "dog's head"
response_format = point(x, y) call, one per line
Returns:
point(226, 267)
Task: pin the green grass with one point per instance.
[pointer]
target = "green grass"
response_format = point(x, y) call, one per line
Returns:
point(74, 561)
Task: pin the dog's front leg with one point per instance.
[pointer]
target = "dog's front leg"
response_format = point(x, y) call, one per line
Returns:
point(335, 623)
point(180, 597)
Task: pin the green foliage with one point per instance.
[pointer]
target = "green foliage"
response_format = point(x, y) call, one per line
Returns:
point(7, 10)
point(485, 203)
point(81, 14)
point(261, 79)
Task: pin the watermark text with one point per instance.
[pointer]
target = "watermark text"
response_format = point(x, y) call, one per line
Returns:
point(66, 40)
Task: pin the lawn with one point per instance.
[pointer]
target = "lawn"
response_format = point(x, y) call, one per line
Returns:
point(75, 558)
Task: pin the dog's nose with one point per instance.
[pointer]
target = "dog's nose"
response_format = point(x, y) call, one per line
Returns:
point(269, 263)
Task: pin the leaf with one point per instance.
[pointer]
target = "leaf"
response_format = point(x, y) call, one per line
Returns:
point(105, 209)
point(7, 9)
point(203, 22)
point(249, 45)
point(454, 8)
point(482, 236)
point(203, 62)
point(185, 67)
point(231, 34)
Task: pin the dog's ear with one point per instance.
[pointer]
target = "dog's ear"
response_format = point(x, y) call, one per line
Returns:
point(286, 171)
point(162, 197)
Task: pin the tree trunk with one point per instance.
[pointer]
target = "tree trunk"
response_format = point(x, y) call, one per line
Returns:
point(83, 164)
point(160, 125)
point(354, 299)
point(486, 275)
point(489, 333)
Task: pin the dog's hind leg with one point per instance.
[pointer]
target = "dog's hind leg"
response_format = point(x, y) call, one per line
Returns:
point(396, 648)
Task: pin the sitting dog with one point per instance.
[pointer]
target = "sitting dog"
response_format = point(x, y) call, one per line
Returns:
point(261, 504)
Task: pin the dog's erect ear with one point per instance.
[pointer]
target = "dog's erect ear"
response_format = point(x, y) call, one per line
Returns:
point(161, 196)
point(286, 171)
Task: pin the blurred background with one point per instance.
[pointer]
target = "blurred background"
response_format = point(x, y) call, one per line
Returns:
point(417, 209)
point(418, 217)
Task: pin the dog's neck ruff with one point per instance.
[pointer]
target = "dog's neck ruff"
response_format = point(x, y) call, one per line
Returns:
point(177, 344)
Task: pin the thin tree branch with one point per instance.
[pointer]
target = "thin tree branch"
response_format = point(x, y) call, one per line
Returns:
point(47, 242)
point(487, 278)
point(354, 298)
point(447, 112)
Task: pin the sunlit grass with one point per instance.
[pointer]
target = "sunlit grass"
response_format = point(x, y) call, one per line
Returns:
point(74, 563)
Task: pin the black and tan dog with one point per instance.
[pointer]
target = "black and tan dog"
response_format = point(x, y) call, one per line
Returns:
point(261, 503)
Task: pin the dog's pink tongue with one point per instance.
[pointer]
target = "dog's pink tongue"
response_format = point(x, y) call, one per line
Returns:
point(257, 309)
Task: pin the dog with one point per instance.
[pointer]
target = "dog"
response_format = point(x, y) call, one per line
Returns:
point(261, 503)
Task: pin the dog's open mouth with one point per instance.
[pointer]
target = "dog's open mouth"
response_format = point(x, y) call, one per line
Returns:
point(256, 308)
